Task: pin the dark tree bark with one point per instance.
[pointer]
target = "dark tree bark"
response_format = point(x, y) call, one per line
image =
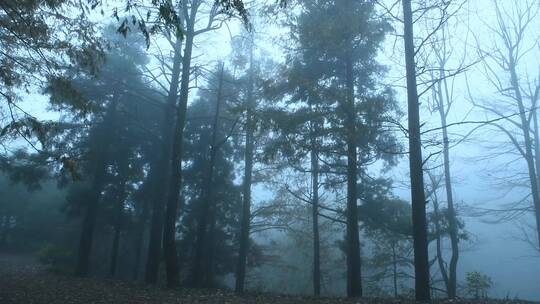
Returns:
point(394, 269)
point(421, 264)
point(173, 201)
point(438, 235)
point(506, 54)
point(246, 186)
point(536, 143)
point(203, 270)
point(4, 230)
point(354, 279)
point(529, 156)
point(451, 216)
point(536, 152)
point(89, 221)
point(209, 281)
point(154, 243)
point(315, 219)
point(119, 210)
point(189, 17)
point(139, 239)
point(314, 142)
point(114, 251)
point(90, 215)
point(162, 172)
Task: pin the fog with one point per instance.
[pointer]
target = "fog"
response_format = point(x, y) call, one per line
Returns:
point(222, 149)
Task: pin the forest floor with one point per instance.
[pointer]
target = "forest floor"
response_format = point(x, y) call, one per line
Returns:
point(23, 281)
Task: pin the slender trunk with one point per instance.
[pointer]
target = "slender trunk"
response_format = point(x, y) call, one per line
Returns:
point(139, 239)
point(394, 269)
point(354, 279)
point(4, 231)
point(211, 246)
point(536, 145)
point(421, 263)
point(452, 217)
point(175, 182)
point(440, 258)
point(117, 230)
point(162, 173)
point(529, 157)
point(246, 186)
point(537, 156)
point(154, 243)
point(114, 252)
point(89, 221)
point(90, 216)
point(203, 271)
point(211, 193)
point(315, 218)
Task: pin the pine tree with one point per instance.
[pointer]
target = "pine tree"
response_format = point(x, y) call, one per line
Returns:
point(333, 72)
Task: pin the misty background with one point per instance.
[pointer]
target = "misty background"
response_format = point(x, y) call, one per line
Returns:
point(487, 172)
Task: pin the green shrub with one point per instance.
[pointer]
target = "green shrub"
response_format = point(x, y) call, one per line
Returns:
point(478, 284)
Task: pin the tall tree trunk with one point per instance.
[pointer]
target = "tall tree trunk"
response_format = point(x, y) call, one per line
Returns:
point(421, 263)
point(173, 201)
point(394, 269)
point(315, 201)
point(246, 186)
point(354, 279)
point(315, 219)
point(451, 216)
point(162, 171)
point(90, 216)
point(203, 270)
point(4, 227)
point(85, 243)
point(87, 233)
point(117, 229)
point(212, 204)
point(537, 155)
point(526, 129)
point(114, 251)
point(440, 258)
point(139, 239)
point(154, 243)
point(536, 144)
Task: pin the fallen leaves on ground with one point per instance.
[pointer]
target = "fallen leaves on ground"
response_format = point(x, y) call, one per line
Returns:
point(24, 282)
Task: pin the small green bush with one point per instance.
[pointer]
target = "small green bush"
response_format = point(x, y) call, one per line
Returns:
point(478, 284)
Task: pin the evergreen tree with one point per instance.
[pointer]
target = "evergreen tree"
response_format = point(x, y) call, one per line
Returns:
point(212, 199)
point(332, 81)
point(112, 138)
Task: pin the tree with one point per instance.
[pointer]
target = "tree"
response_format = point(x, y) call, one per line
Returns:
point(289, 253)
point(440, 227)
point(212, 211)
point(36, 49)
point(177, 22)
point(339, 69)
point(203, 271)
point(105, 96)
point(419, 221)
point(478, 284)
point(515, 110)
point(248, 174)
point(387, 221)
point(300, 136)
point(443, 104)
point(161, 174)
point(178, 102)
